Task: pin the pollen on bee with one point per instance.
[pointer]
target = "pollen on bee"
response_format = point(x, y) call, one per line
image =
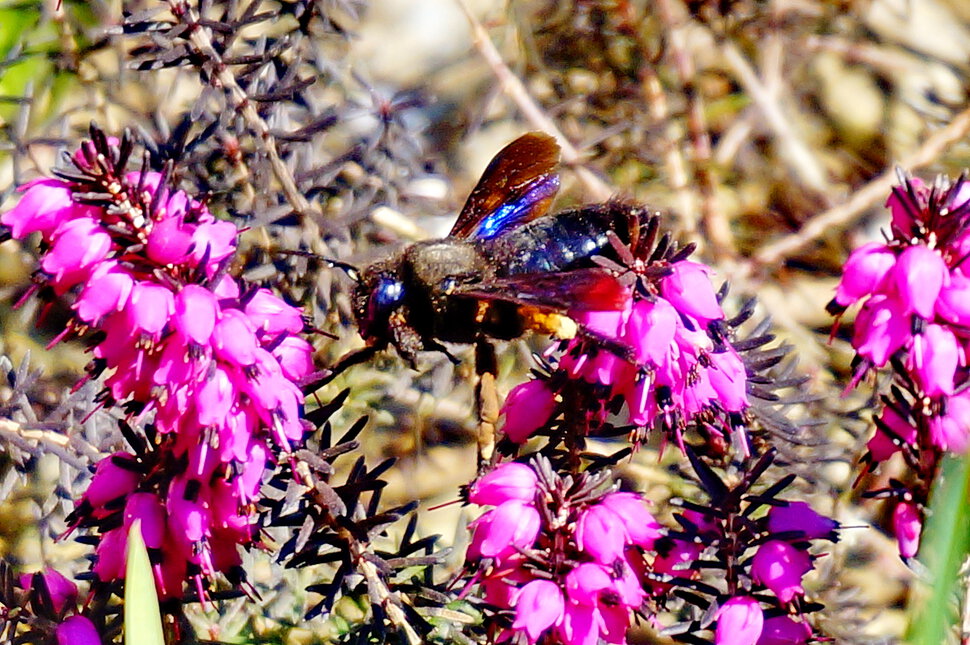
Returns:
point(559, 325)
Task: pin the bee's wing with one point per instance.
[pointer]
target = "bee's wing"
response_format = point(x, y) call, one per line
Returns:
point(592, 289)
point(518, 185)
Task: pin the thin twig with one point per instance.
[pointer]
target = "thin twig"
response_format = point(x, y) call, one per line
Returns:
point(866, 196)
point(716, 227)
point(513, 87)
point(239, 101)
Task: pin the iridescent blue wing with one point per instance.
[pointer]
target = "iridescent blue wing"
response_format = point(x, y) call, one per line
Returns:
point(518, 186)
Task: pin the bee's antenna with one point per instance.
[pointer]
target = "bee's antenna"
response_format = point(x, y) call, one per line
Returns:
point(352, 271)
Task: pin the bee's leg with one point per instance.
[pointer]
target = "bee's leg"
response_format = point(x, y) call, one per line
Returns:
point(486, 396)
point(611, 345)
point(317, 380)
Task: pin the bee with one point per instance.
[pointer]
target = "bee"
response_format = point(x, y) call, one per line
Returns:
point(506, 268)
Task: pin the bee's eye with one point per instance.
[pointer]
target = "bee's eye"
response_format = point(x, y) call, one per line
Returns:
point(388, 294)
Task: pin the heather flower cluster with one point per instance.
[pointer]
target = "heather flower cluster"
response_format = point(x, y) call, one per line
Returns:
point(569, 561)
point(759, 598)
point(565, 557)
point(672, 363)
point(210, 364)
point(914, 291)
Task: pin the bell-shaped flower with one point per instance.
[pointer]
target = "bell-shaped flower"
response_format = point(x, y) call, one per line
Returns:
point(784, 630)
point(527, 408)
point(214, 240)
point(580, 624)
point(295, 356)
point(933, 360)
point(780, 567)
point(271, 315)
point(170, 240)
point(650, 331)
point(46, 204)
point(882, 446)
point(864, 272)
point(601, 534)
point(640, 526)
point(907, 526)
point(105, 292)
point(881, 328)
point(505, 529)
point(61, 590)
point(799, 517)
point(951, 431)
point(234, 338)
point(729, 380)
point(920, 274)
point(739, 622)
point(689, 290)
point(116, 476)
point(79, 244)
point(77, 630)
point(150, 308)
point(511, 480)
point(585, 583)
point(538, 606)
point(953, 305)
point(196, 310)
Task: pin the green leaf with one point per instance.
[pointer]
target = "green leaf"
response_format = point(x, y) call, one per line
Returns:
point(943, 548)
point(143, 620)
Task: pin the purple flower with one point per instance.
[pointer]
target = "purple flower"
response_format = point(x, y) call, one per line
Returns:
point(780, 567)
point(46, 204)
point(77, 630)
point(538, 606)
point(784, 630)
point(689, 290)
point(799, 517)
point(62, 590)
point(600, 533)
point(631, 510)
point(739, 622)
point(881, 328)
point(501, 532)
point(934, 358)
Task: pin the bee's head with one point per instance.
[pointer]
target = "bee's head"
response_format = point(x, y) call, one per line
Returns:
point(379, 294)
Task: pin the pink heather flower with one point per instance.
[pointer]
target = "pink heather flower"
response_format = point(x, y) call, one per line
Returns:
point(863, 272)
point(196, 310)
point(739, 622)
point(920, 274)
point(527, 408)
point(784, 630)
point(953, 305)
point(780, 567)
point(933, 360)
point(631, 510)
point(106, 292)
point(601, 534)
point(77, 630)
point(951, 431)
point(907, 525)
point(689, 290)
point(881, 328)
point(728, 380)
point(78, 246)
point(215, 369)
point(651, 330)
point(502, 531)
point(799, 516)
point(903, 217)
point(510, 480)
point(585, 583)
point(46, 204)
point(882, 446)
point(61, 589)
point(538, 606)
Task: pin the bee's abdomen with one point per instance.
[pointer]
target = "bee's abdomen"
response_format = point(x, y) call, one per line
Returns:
point(558, 242)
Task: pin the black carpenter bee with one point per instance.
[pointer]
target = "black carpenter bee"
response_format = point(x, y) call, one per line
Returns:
point(507, 266)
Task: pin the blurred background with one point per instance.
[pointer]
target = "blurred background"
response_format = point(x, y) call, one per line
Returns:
point(767, 132)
